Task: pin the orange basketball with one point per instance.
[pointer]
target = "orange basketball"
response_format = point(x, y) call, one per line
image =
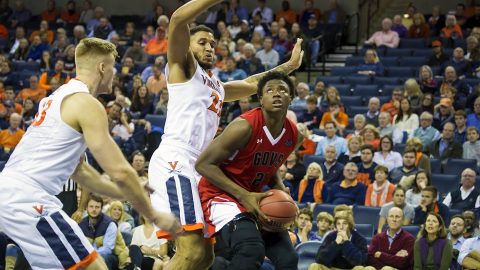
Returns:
point(280, 208)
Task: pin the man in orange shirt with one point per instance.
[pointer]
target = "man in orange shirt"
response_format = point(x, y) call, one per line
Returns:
point(340, 119)
point(157, 81)
point(393, 105)
point(10, 137)
point(287, 13)
point(158, 45)
point(34, 92)
point(8, 106)
point(57, 73)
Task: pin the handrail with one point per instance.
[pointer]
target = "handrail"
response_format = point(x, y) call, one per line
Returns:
point(357, 30)
point(371, 13)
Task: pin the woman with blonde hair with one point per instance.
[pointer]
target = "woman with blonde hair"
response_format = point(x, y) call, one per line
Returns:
point(118, 214)
point(371, 136)
point(426, 80)
point(353, 153)
point(419, 29)
point(413, 93)
point(451, 29)
point(311, 187)
point(372, 65)
point(332, 96)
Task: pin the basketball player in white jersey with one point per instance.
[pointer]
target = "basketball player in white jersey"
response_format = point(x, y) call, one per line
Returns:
point(195, 103)
point(68, 121)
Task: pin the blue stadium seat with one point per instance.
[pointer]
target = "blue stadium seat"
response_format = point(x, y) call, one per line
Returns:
point(322, 208)
point(2, 165)
point(329, 79)
point(369, 89)
point(412, 229)
point(343, 89)
point(306, 253)
point(307, 159)
point(157, 121)
point(473, 82)
point(412, 43)
point(366, 215)
point(384, 99)
point(459, 43)
point(366, 230)
point(435, 165)
point(387, 89)
point(23, 66)
point(436, 70)
point(445, 183)
point(353, 110)
point(302, 205)
point(456, 166)
point(398, 52)
point(399, 147)
point(422, 52)
point(354, 80)
point(354, 61)
point(342, 71)
point(380, 81)
point(349, 101)
point(318, 132)
point(413, 61)
point(404, 71)
point(389, 61)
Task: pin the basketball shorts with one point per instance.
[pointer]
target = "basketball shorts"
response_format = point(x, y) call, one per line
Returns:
point(35, 221)
point(218, 212)
point(172, 175)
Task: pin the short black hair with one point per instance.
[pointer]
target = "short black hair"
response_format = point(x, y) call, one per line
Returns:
point(275, 76)
point(201, 28)
point(96, 198)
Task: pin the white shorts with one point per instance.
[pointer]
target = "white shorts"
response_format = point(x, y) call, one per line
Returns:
point(35, 221)
point(172, 175)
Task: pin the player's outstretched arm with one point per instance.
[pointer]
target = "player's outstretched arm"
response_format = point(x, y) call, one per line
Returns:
point(236, 90)
point(232, 139)
point(91, 179)
point(87, 115)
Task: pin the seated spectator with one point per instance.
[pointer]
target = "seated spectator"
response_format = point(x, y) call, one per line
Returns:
point(452, 29)
point(331, 138)
point(244, 106)
point(332, 170)
point(432, 240)
point(372, 65)
point(353, 153)
point(162, 105)
point(336, 116)
point(51, 13)
point(406, 121)
point(405, 174)
point(422, 161)
point(295, 169)
point(311, 189)
point(268, 56)
point(426, 133)
point(471, 148)
point(366, 168)
point(157, 82)
point(466, 197)
point(87, 13)
point(398, 27)
point(381, 191)
point(460, 126)
point(371, 116)
point(393, 248)
point(231, 71)
point(469, 256)
point(308, 146)
point(462, 66)
point(283, 45)
point(472, 55)
point(386, 156)
point(349, 191)
point(312, 116)
point(324, 226)
point(70, 15)
point(286, 13)
point(460, 14)
point(419, 29)
point(34, 92)
point(20, 15)
point(473, 119)
point(312, 32)
point(370, 136)
point(393, 106)
point(142, 103)
point(249, 62)
point(359, 122)
point(414, 195)
point(46, 62)
point(438, 58)
point(43, 30)
point(385, 128)
point(473, 20)
point(331, 96)
point(446, 147)
point(426, 80)
point(282, 171)
point(413, 93)
point(443, 113)
point(138, 163)
point(10, 137)
point(300, 101)
point(159, 44)
point(471, 224)
point(307, 12)
point(136, 52)
point(57, 73)
point(21, 54)
point(303, 231)
point(429, 204)
point(28, 113)
point(397, 201)
point(343, 248)
point(123, 220)
point(436, 21)
point(455, 234)
point(69, 59)
point(426, 105)
point(386, 37)
point(103, 30)
point(36, 49)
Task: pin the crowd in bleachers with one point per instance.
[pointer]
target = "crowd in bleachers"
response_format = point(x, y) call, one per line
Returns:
point(394, 134)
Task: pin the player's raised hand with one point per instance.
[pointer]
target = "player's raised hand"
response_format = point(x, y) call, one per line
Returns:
point(297, 54)
point(167, 222)
point(251, 201)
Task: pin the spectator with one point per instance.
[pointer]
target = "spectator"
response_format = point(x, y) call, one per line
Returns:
point(439, 57)
point(28, 112)
point(405, 175)
point(366, 168)
point(6, 74)
point(455, 233)
point(359, 124)
point(324, 226)
point(452, 80)
point(460, 14)
point(405, 122)
point(332, 170)
point(426, 133)
point(308, 146)
point(419, 28)
point(148, 71)
point(436, 21)
point(249, 62)
point(398, 27)
point(432, 240)
point(473, 119)
point(142, 102)
point(15, 41)
point(331, 96)
point(379, 192)
point(46, 61)
point(154, 14)
point(452, 29)
point(471, 148)
point(353, 153)
point(471, 224)
point(100, 230)
point(370, 136)
point(10, 137)
point(136, 52)
point(462, 66)
point(386, 156)
point(34, 92)
point(231, 72)
point(371, 116)
point(103, 30)
point(386, 37)
point(87, 13)
point(460, 126)
point(264, 11)
point(295, 170)
point(283, 44)
point(385, 128)
point(331, 138)
point(69, 60)
point(413, 93)
point(311, 188)
point(422, 161)
point(36, 49)
point(161, 107)
point(70, 15)
point(78, 34)
point(466, 197)
point(473, 54)
point(286, 13)
point(312, 116)
point(122, 219)
point(268, 56)
point(414, 194)
point(303, 231)
point(426, 105)
point(20, 15)
point(21, 54)
point(427, 82)
point(372, 65)
point(58, 74)
point(337, 117)
point(300, 101)
point(446, 147)
point(312, 33)
point(129, 35)
point(282, 171)
point(443, 113)
point(245, 32)
point(43, 30)
point(335, 14)
point(349, 191)
point(235, 8)
point(51, 13)
point(392, 248)
point(8, 106)
point(429, 204)
point(343, 248)
point(244, 106)
point(392, 107)
point(398, 201)
point(308, 11)
point(148, 35)
point(138, 163)
point(469, 256)
point(157, 82)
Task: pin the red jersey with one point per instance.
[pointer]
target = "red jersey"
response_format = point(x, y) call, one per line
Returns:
point(254, 165)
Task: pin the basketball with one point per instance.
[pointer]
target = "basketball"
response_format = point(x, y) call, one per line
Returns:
point(280, 209)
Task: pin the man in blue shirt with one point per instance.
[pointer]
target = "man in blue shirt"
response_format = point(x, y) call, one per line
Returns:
point(331, 169)
point(473, 119)
point(469, 256)
point(232, 73)
point(331, 138)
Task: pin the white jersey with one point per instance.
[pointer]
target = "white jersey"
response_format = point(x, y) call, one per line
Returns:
point(194, 109)
point(50, 150)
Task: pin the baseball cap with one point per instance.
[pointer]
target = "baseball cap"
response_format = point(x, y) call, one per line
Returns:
point(446, 102)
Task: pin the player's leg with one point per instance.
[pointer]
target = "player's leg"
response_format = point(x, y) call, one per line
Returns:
point(190, 252)
point(279, 249)
point(209, 254)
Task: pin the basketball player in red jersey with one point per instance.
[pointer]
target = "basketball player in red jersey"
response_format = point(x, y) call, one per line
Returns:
point(235, 167)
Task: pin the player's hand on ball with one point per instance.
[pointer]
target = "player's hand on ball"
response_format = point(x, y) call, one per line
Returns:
point(297, 54)
point(167, 222)
point(251, 201)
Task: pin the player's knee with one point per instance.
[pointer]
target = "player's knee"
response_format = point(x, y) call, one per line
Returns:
point(250, 253)
point(194, 256)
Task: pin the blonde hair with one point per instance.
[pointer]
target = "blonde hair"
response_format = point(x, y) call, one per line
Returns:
point(346, 215)
point(325, 216)
point(118, 204)
point(359, 139)
point(92, 48)
point(419, 16)
point(416, 143)
point(314, 165)
point(412, 89)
